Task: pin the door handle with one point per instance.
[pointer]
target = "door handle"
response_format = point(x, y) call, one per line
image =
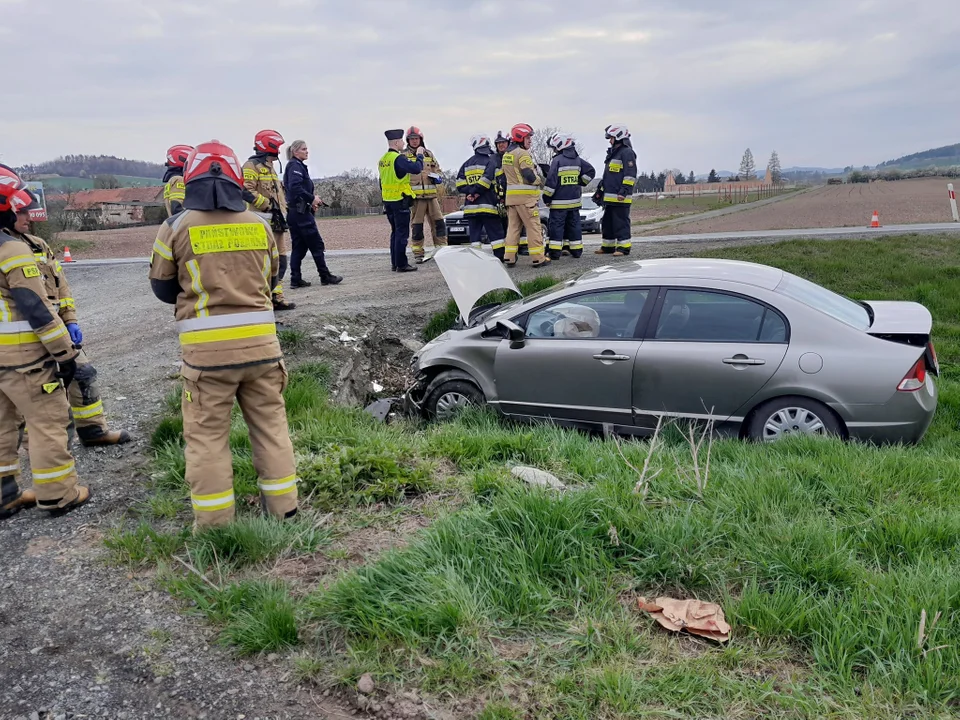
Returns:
point(744, 360)
point(611, 356)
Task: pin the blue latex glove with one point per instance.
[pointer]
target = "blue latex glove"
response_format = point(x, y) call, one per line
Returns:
point(75, 335)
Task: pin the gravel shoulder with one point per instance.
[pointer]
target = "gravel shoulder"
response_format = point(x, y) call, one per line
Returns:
point(82, 638)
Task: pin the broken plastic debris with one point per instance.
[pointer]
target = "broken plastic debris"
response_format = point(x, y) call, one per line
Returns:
point(331, 328)
point(345, 337)
point(704, 619)
point(535, 476)
point(120, 398)
point(377, 387)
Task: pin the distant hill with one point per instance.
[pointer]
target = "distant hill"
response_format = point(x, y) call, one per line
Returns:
point(88, 166)
point(946, 156)
point(53, 183)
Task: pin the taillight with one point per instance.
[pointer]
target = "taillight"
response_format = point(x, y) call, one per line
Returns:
point(915, 379)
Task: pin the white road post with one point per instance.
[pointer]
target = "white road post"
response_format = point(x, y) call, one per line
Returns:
point(953, 202)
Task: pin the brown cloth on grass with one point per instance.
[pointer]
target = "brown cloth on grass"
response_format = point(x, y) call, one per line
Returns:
point(704, 619)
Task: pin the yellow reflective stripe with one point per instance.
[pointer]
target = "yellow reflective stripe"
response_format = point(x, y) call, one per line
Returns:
point(23, 338)
point(42, 476)
point(163, 250)
point(261, 202)
point(278, 487)
point(177, 195)
point(17, 261)
point(627, 180)
point(67, 303)
point(88, 411)
point(483, 182)
point(7, 469)
point(4, 311)
point(212, 502)
point(267, 268)
point(193, 267)
point(198, 337)
point(249, 174)
point(57, 332)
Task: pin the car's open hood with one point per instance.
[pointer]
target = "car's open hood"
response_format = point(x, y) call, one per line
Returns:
point(899, 318)
point(470, 274)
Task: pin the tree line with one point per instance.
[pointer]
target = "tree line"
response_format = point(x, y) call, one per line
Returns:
point(90, 166)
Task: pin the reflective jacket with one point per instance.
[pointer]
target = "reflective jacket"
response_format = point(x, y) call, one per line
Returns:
point(298, 186)
point(568, 174)
point(174, 190)
point(420, 182)
point(224, 263)
point(31, 333)
point(522, 176)
point(59, 296)
point(478, 176)
point(620, 173)
point(395, 173)
point(262, 181)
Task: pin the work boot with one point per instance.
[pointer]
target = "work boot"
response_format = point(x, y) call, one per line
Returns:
point(524, 250)
point(300, 283)
point(619, 253)
point(540, 263)
point(565, 251)
point(599, 251)
point(407, 268)
point(25, 499)
point(420, 259)
point(331, 279)
point(279, 304)
point(56, 508)
point(96, 436)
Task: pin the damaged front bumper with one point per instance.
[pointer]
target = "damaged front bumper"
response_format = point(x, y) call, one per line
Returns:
point(409, 404)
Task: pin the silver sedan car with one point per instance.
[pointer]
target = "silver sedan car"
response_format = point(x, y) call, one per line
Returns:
point(760, 352)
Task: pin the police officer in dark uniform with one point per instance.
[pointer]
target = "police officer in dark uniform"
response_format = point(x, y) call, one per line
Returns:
point(395, 171)
point(477, 180)
point(616, 192)
point(567, 174)
point(302, 203)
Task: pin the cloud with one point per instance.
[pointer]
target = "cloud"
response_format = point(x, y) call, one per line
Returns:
point(824, 82)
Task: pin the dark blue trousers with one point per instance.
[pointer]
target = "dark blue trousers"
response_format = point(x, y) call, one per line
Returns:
point(398, 213)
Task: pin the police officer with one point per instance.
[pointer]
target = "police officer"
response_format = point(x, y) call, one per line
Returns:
point(425, 187)
point(501, 143)
point(303, 203)
point(217, 262)
point(396, 170)
point(173, 178)
point(83, 392)
point(261, 181)
point(568, 173)
point(36, 358)
point(477, 180)
point(523, 193)
point(616, 192)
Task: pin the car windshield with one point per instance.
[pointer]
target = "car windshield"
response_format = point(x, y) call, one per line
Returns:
point(505, 309)
point(588, 203)
point(826, 301)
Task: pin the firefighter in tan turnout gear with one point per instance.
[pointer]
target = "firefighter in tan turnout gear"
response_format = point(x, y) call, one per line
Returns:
point(36, 358)
point(83, 393)
point(524, 180)
point(266, 196)
point(173, 178)
point(217, 262)
point(426, 204)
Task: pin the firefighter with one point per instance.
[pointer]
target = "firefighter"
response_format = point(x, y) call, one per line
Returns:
point(83, 392)
point(501, 143)
point(173, 178)
point(217, 262)
point(396, 171)
point(37, 358)
point(524, 181)
point(616, 192)
point(477, 180)
point(426, 206)
point(260, 179)
point(562, 192)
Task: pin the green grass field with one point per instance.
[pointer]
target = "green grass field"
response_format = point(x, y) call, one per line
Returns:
point(521, 603)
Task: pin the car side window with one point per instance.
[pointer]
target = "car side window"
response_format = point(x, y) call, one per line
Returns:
point(704, 316)
point(609, 315)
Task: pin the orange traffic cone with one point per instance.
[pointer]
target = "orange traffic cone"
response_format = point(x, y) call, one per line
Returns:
point(66, 255)
point(875, 220)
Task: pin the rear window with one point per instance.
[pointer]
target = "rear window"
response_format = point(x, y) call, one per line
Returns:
point(826, 301)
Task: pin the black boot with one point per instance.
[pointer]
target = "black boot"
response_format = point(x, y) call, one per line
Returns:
point(96, 436)
point(300, 283)
point(331, 279)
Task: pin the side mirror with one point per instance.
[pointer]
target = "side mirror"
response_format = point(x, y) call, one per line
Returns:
point(512, 332)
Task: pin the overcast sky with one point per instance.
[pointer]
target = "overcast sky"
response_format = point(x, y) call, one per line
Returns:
point(824, 82)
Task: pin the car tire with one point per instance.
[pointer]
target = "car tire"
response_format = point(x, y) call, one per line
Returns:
point(792, 415)
point(450, 393)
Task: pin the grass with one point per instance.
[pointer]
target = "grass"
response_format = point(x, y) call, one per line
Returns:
point(838, 565)
point(293, 340)
point(57, 245)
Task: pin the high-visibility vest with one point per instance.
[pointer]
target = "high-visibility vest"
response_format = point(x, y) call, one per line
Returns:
point(393, 188)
